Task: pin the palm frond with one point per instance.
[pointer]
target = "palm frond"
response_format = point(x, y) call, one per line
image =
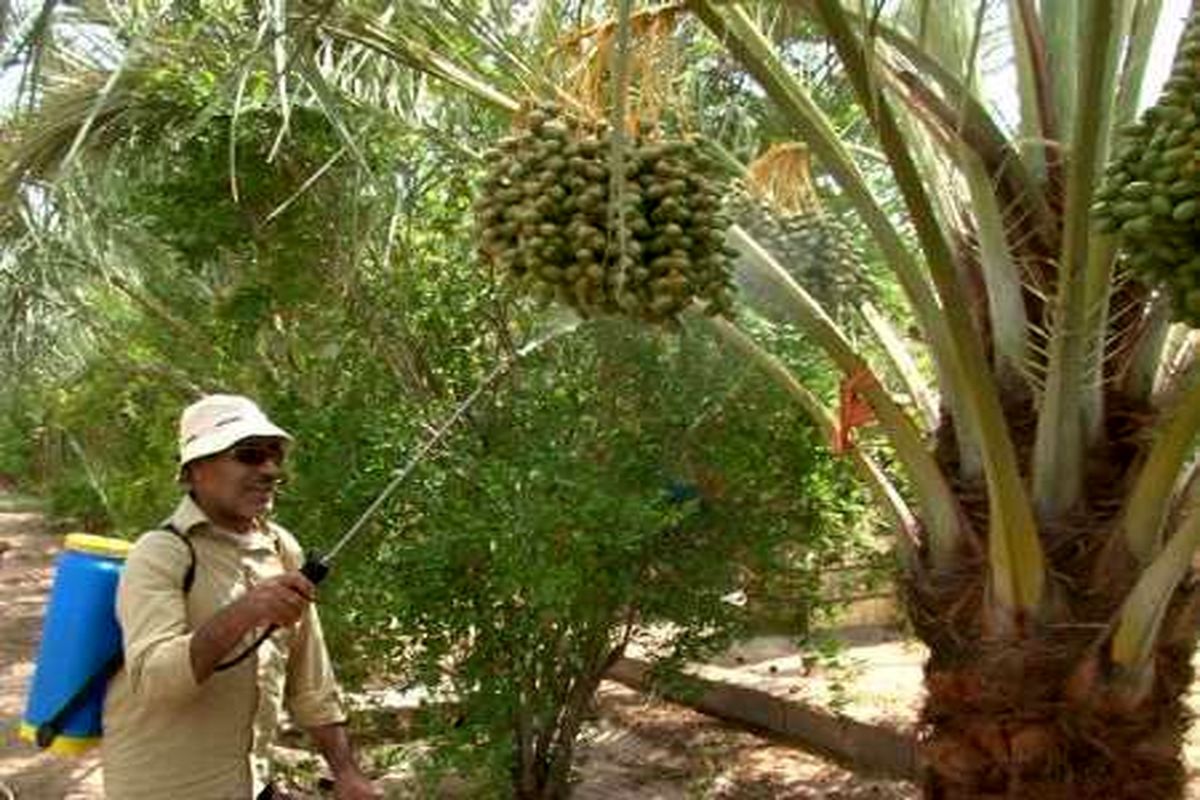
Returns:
point(1136, 634)
point(1040, 117)
point(1067, 418)
point(1016, 559)
point(1146, 509)
point(755, 53)
point(374, 34)
point(939, 507)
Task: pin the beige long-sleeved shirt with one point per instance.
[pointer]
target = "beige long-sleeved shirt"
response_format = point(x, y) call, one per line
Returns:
point(164, 734)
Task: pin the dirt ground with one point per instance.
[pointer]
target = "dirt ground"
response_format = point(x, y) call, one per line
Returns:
point(638, 748)
point(25, 556)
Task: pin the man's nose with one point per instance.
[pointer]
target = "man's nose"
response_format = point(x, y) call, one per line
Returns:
point(272, 466)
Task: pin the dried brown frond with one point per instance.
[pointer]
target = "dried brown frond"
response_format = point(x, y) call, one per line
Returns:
point(783, 176)
point(587, 55)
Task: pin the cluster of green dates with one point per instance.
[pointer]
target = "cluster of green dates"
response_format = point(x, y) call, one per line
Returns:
point(546, 219)
point(815, 247)
point(1150, 194)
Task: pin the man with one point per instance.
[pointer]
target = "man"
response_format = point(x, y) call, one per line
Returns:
point(185, 719)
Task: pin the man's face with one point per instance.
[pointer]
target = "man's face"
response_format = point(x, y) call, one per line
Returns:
point(237, 485)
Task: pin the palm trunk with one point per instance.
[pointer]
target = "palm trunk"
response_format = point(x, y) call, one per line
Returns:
point(1013, 721)
point(1043, 713)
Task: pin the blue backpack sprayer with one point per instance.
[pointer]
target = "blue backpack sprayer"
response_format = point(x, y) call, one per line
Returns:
point(81, 640)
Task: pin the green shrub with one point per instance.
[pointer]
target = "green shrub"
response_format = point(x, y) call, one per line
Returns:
point(620, 487)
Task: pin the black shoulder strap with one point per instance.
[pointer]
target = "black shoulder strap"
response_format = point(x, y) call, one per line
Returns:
point(189, 575)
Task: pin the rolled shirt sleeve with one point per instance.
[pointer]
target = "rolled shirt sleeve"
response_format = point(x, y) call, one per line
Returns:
point(312, 695)
point(152, 611)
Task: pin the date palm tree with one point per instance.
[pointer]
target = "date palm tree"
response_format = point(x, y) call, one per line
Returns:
point(1051, 576)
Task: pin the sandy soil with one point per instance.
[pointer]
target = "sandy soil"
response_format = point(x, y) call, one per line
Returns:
point(24, 582)
point(642, 748)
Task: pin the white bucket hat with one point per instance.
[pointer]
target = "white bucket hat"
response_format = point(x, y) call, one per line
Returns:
point(216, 422)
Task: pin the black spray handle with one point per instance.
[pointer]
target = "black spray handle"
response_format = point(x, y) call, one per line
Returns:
point(316, 569)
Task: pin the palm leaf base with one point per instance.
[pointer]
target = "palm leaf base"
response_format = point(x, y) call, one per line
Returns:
point(1038, 714)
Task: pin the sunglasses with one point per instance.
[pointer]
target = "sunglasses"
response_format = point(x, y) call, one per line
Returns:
point(255, 455)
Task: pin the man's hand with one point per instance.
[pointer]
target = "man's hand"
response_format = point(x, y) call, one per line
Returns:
point(278, 601)
point(348, 781)
point(351, 784)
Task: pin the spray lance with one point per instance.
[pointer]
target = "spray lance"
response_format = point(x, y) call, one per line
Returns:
point(316, 564)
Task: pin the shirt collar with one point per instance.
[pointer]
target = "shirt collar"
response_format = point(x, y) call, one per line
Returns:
point(189, 517)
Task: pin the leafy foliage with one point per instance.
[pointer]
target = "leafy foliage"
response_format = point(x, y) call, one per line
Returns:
point(529, 555)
